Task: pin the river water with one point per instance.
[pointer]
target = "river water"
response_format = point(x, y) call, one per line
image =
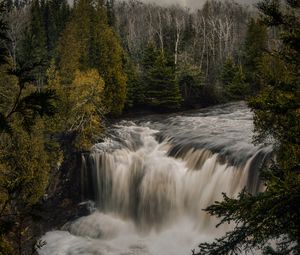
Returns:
point(152, 177)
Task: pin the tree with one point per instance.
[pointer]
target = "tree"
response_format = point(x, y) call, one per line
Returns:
point(204, 38)
point(233, 79)
point(33, 48)
point(162, 89)
point(228, 72)
point(254, 49)
point(3, 35)
point(35, 29)
point(191, 83)
point(24, 172)
point(272, 215)
point(55, 16)
point(27, 103)
point(135, 90)
point(88, 42)
point(110, 6)
point(80, 107)
point(24, 159)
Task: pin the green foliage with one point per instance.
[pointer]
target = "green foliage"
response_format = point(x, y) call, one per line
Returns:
point(33, 46)
point(228, 72)
point(3, 35)
point(233, 80)
point(55, 15)
point(135, 89)
point(238, 88)
point(5, 248)
point(162, 89)
point(261, 218)
point(273, 215)
point(254, 49)
point(89, 42)
point(24, 159)
point(110, 12)
point(8, 88)
point(38, 44)
point(20, 98)
point(24, 175)
point(80, 107)
point(191, 83)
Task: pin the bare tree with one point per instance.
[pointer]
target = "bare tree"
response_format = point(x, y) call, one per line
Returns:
point(203, 38)
point(17, 20)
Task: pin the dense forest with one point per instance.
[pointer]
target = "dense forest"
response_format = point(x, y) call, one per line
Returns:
point(66, 70)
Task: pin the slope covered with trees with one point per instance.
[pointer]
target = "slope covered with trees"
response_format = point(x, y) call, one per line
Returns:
point(61, 71)
point(198, 42)
point(64, 69)
point(270, 220)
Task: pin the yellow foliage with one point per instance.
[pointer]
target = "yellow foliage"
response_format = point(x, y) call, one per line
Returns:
point(70, 54)
point(87, 106)
point(80, 106)
point(8, 89)
point(88, 42)
point(25, 164)
point(5, 248)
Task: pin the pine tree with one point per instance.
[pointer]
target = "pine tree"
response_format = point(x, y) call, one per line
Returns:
point(228, 72)
point(234, 81)
point(24, 160)
point(255, 47)
point(33, 50)
point(110, 5)
point(80, 108)
point(135, 96)
point(55, 16)
point(273, 215)
point(191, 82)
point(162, 89)
point(89, 42)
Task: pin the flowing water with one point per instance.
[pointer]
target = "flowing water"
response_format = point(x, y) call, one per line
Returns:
point(151, 178)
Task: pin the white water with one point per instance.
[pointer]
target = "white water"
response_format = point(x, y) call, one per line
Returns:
point(151, 181)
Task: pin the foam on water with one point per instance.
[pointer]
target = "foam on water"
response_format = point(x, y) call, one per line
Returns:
point(152, 178)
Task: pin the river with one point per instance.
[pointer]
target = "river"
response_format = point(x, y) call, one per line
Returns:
point(151, 178)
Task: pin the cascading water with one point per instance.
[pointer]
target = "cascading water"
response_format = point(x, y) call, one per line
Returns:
point(151, 179)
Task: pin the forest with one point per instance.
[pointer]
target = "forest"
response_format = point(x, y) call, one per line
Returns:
point(66, 71)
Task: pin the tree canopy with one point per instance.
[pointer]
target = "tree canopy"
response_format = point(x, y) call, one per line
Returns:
point(270, 220)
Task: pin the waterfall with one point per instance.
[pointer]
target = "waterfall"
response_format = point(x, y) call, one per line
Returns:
point(151, 180)
point(146, 181)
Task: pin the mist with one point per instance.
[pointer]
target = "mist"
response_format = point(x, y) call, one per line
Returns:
point(195, 4)
point(192, 4)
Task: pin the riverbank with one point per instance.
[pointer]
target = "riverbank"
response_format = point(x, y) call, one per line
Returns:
point(149, 190)
point(61, 203)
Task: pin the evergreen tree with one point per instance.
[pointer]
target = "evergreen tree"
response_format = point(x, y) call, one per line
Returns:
point(150, 55)
point(24, 159)
point(228, 72)
point(47, 20)
point(89, 42)
point(162, 89)
point(238, 88)
point(55, 16)
point(255, 47)
point(33, 51)
point(110, 5)
point(191, 83)
point(3, 35)
point(234, 81)
point(135, 89)
point(80, 108)
point(273, 215)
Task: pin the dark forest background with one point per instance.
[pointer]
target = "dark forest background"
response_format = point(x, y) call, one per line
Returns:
point(66, 70)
